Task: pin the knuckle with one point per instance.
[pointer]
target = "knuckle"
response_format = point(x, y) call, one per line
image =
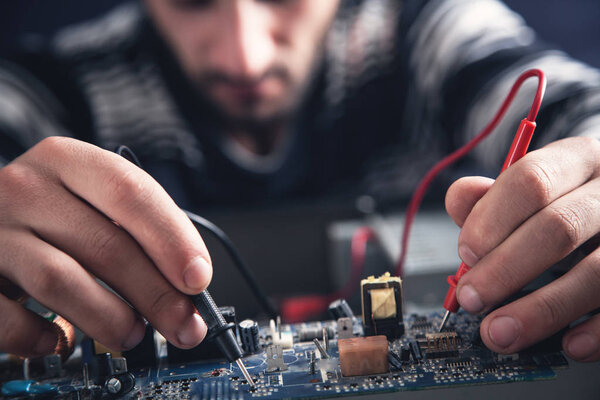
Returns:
point(550, 308)
point(566, 226)
point(106, 244)
point(586, 142)
point(53, 144)
point(128, 189)
point(505, 276)
point(167, 304)
point(537, 182)
point(49, 280)
point(18, 178)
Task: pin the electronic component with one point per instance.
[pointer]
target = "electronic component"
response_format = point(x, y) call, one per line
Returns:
point(27, 387)
point(319, 347)
point(345, 328)
point(278, 372)
point(415, 351)
point(404, 354)
point(120, 384)
point(363, 355)
point(508, 357)
point(381, 303)
point(395, 360)
point(313, 331)
point(249, 336)
point(440, 345)
point(340, 309)
point(312, 362)
point(275, 358)
point(280, 337)
point(144, 354)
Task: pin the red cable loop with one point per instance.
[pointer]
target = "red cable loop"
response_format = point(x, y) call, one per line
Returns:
point(424, 184)
point(300, 308)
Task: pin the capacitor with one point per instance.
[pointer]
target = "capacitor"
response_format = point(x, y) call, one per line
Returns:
point(340, 309)
point(249, 335)
point(118, 385)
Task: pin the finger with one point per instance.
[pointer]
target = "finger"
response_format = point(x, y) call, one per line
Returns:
point(540, 314)
point(24, 333)
point(543, 240)
point(59, 283)
point(463, 194)
point(582, 343)
point(112, 255)
point(132, 198)
point(526, 187)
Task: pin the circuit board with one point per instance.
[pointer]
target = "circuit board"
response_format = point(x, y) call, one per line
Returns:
point(417, 361)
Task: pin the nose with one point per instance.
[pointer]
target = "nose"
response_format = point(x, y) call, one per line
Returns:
point(245, 48)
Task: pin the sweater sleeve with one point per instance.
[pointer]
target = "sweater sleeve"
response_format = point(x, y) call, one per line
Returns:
point(464, 55)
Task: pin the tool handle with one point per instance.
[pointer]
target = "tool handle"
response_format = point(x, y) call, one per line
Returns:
point(218, 328)
point(451, 303)
point(208, 310)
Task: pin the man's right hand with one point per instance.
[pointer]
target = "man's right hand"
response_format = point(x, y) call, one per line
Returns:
point(71, 213)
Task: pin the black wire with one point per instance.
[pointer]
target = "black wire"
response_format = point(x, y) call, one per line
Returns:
point(247, 274)
point(201, 222)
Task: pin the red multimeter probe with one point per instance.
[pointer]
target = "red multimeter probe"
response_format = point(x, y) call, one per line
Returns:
point(517, 150)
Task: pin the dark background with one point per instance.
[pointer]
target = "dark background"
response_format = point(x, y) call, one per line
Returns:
point(288, 247)
point(572, 25)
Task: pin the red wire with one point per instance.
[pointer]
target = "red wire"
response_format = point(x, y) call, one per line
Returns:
point(358, 249)
point(362, 235)
point(417, 198)
point(299, 309)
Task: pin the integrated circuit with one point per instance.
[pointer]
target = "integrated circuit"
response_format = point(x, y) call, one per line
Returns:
point(421, 359)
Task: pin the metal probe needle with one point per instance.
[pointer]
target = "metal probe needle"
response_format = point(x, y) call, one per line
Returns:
point(220, 331)
point(444, 320)
point(245, 372)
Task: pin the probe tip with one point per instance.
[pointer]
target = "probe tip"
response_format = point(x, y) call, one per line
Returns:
point(444, 320)
point(245, 372)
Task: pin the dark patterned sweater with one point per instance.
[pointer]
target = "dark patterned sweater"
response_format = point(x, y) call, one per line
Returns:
point(400, 84)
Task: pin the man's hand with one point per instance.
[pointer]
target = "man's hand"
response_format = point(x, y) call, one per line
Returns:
point(536, 213)
point(71, 213)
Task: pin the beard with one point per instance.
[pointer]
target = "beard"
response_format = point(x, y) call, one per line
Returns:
point(245, 106)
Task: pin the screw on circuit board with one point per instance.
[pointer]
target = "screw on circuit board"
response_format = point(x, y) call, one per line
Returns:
point(113, 386)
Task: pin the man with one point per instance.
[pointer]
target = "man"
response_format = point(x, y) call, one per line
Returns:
point(253, 100)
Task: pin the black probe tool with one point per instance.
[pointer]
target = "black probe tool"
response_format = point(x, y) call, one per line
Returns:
point(220, 331)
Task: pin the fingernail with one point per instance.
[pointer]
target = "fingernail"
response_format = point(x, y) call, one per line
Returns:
point(193, 333)
point(582, 345)
point(504, 331)
point(47, 342)
point(195, 274)
point(136, 335)
point(467, 255)
point(469, 299)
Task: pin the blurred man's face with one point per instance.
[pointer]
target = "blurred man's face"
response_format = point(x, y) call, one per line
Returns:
point(250, 58)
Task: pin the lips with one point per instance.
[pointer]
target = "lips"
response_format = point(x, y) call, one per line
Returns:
point(248, 91)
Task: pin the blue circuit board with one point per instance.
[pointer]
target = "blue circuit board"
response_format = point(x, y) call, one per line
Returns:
point(469, 364)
